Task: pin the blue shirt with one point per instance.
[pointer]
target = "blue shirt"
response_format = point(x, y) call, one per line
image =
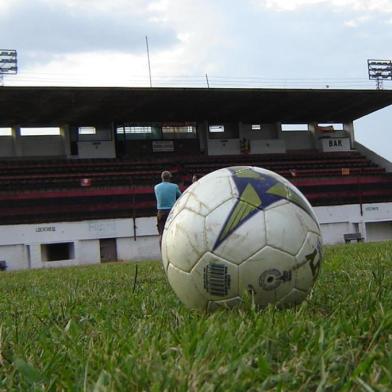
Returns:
point(166, 194)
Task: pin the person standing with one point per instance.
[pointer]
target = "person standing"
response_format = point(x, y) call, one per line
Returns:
point(166, 194)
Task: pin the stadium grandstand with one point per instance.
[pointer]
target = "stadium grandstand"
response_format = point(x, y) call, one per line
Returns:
point(78, 164)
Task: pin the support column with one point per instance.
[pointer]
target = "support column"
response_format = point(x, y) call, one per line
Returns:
point(35, 256)
point(312, 130)
point(17, 141)
point(362, 229)
point(203, 136)
point(349, 128)
point(64, 132)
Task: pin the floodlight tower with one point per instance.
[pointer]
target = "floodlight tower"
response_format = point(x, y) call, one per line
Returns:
point(8, 63)
point(380, 70)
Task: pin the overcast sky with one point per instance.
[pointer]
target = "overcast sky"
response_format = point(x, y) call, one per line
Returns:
point(247, 43)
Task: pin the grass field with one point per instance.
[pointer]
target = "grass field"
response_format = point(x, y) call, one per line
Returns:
point(84, 329)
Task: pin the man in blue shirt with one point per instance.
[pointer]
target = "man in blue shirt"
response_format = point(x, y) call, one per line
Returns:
point(166, 194)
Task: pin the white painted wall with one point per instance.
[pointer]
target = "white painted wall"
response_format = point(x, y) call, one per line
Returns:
point(257, 146)
point(267, 131)
point(41, 146)
point(144, 248)
point(338, 220)
point(332, 233)
point(268, 146)
point(223, 146)
point(96, 149)
point(20, 245)
point(15, 256)
point(99, 145)
point(298, 140)
point(87, 252)
point(379, 231)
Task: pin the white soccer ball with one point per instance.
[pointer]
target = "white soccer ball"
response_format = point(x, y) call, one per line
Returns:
point(241, 230)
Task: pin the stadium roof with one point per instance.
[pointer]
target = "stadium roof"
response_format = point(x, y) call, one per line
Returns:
point(32, 106)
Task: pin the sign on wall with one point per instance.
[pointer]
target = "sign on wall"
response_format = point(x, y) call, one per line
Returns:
point(336, 144)
point(162, 146)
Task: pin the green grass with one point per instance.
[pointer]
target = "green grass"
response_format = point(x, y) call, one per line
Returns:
point(84, 329)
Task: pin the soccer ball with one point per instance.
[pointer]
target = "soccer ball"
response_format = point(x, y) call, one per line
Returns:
point(241, 230)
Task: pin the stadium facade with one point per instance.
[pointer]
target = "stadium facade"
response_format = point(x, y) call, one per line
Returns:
point(83, 192)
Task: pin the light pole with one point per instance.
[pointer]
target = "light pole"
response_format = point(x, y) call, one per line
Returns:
point(8, 63)
point(380, 70)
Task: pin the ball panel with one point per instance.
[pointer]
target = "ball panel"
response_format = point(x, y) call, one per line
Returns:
point(177, 208)
point(215, 277)
point(292, 193)
point(209, 194)
point(287, 227)
point(235, 231)
point(268, 275)
point(277, 204)
point(277, 176)
point(308, 262)
point(185, 240)
point(164, 256)
point(294, 297)
point(184, 286)
point(304, 279)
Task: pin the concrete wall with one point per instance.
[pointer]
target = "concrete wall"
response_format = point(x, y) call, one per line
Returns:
point(144, 248)
point(298, 140)
point(99, 145)
point(87, 252)
point(267, 146)
point(263, 141)
point(267, 131)
point(21, 245)
point(15, 256)
point(333, 233)
point(6, 147)
point(96, 149)
point(31, 146)
point(41, 146)
point(224, 147)
point(258, 146)
point(338, 220)
point(379, 231)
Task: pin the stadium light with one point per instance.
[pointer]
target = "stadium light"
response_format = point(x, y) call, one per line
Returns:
point(380, 70)
point(8, 63)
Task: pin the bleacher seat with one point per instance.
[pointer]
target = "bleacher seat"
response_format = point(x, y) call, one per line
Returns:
point(53, 190)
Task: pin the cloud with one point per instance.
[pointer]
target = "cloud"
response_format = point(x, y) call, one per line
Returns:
point(47, 29)
point(384, 6)
point(103, 42)
point(356, 22)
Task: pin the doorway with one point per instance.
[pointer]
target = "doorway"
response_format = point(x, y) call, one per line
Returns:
point(108, 249)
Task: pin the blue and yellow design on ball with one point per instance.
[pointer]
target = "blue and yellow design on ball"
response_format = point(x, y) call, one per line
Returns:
point(256, 192)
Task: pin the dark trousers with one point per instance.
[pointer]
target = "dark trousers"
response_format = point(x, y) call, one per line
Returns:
point(161, 220)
